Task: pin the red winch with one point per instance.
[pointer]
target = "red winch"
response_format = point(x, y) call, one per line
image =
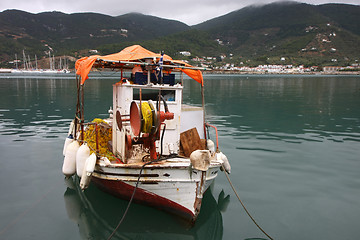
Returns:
point(145, 123)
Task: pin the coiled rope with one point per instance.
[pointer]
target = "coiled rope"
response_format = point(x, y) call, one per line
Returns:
point(147, 116)
point(242, 204)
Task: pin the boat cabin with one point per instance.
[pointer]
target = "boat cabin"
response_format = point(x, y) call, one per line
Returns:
point(186, 117)
point(148, 116)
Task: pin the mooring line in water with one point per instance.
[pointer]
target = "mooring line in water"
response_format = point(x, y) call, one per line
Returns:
point(132, 197)
point(242, 204)
point(137, 183)
point(128, 206)
point(24, 213)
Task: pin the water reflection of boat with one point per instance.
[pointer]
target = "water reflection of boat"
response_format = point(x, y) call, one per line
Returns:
point(93, 211)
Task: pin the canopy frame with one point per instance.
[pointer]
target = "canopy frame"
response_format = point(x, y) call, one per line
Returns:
point(134, 55)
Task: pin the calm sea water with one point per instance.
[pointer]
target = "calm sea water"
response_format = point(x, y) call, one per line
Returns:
point(293, 143)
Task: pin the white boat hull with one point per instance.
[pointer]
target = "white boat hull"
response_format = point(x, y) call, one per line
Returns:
point(171, 186)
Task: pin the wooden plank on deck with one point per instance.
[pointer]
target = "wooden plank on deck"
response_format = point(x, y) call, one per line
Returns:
point(190, 141)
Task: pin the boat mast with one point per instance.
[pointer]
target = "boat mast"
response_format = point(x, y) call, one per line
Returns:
point(36, 65)
point(16, 61)
point(79, 114)
point(29, 63)
point(50, 66)
point(66, 62)
point(24, 57)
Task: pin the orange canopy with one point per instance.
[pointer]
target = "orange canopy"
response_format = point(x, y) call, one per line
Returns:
point(131, 54)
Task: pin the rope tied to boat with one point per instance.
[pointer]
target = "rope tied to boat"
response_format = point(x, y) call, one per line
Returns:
point(136, 186)
point(243, 205)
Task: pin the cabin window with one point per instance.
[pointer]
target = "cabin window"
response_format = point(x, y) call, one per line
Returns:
point(153, 94)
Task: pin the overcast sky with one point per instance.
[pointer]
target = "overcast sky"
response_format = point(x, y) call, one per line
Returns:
point(188, 11)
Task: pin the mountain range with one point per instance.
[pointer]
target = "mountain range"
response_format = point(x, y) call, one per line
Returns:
point(277, 33)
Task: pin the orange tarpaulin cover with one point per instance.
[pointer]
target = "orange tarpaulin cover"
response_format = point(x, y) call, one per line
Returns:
point(132, 53)
point(194, 74)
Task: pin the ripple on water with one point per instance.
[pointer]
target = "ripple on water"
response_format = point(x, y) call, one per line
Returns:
point(42, 129)
point(259, 149)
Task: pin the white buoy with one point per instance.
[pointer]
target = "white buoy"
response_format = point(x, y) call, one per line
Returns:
point(69, 165)
point(90, 163)
point(82, 154)
point(68, 140)
point(87, 171)
point(200, 159)
point(226, 163)
point(211, 146)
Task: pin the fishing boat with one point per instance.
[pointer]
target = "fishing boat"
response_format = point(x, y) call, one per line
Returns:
point(153, 149)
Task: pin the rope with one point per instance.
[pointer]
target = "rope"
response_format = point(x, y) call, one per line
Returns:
point(136, 186)
point(242, 204)
point(147, 116)
point(131, 199)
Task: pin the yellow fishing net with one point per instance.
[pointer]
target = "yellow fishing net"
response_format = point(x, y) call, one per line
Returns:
point(104, 132)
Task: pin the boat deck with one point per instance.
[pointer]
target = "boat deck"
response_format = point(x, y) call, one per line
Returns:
point(174, 162)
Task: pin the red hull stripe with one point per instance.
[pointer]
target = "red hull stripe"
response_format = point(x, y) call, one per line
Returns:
point(124, 191)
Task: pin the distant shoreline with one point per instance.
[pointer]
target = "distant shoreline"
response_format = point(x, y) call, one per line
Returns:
point(230, 72)
point(279, 73)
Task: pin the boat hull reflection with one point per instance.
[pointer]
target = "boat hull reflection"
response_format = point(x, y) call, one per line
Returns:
point(97, 215)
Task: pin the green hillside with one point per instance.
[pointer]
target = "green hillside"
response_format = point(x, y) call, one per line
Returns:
point(302, 33)
point(197, 41)
point(70, 33)
point(277, 33)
